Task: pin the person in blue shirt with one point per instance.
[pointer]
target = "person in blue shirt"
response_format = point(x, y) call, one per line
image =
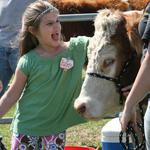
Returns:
point(10, 23)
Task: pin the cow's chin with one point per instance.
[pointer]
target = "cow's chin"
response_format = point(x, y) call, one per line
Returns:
point(96, 110)
point(97, 116)
point(88, 117)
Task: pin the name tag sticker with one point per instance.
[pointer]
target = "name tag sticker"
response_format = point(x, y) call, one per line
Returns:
point(66, 63)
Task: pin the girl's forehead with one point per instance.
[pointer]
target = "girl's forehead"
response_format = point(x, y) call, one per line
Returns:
point(50, 16)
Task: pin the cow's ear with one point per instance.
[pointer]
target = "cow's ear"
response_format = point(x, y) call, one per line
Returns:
point(133, 16)
point(135, 39)
point(132, 20)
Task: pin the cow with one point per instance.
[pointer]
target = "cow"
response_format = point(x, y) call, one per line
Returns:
point(114, 54)
point(70, 29)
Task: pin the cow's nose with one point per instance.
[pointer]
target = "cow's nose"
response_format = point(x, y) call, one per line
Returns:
point(81, 108)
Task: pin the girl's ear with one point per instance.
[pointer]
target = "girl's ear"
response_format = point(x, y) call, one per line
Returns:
point(32, 30)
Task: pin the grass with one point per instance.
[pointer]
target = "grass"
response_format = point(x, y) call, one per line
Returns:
point(5, 130)
point(87, 134)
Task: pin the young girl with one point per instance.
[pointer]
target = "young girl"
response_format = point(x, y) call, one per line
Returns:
point(46, 82)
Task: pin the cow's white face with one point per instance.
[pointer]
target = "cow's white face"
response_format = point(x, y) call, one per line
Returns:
point(99, 96)
point(108, 52)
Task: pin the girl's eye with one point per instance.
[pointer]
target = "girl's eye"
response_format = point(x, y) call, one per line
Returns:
point(51, 23)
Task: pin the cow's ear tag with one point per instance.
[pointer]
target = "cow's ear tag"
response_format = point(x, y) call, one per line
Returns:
point(66, 63)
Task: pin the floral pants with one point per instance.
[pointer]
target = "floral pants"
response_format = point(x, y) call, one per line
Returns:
point(51, 142)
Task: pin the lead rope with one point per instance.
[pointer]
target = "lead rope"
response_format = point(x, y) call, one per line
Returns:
point(130, 132)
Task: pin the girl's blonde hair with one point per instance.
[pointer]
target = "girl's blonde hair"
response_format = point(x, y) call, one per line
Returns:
point(32, 17)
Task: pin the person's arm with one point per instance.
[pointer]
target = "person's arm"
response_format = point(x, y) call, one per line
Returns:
point(139, 89)
point(13, 93)
point(141, 85)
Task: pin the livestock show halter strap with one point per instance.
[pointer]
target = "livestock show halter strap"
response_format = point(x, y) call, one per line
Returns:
point(119, 80)
point(119, 84)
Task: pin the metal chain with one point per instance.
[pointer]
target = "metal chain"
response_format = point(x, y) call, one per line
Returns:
point(130, 132)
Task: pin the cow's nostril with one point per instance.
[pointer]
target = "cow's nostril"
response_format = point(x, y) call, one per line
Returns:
point(81, 109)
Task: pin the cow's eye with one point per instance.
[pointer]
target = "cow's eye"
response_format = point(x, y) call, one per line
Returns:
point(108, 62)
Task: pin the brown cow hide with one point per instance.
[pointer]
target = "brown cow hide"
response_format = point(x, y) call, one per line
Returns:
point(70, 29)
point(88, 6)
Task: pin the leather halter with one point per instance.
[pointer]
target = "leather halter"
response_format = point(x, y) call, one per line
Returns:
point(118, 80)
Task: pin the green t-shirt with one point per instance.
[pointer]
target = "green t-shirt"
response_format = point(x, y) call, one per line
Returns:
point(46, 104)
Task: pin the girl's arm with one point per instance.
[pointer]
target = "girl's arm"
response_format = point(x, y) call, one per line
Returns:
point(13, 93)
point(140, 88)
point(141, 85)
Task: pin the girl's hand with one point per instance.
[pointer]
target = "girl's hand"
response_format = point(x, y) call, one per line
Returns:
point(126, 90)
point(128, 115)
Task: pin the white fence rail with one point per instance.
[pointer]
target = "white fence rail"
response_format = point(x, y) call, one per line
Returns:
point(77, 17)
